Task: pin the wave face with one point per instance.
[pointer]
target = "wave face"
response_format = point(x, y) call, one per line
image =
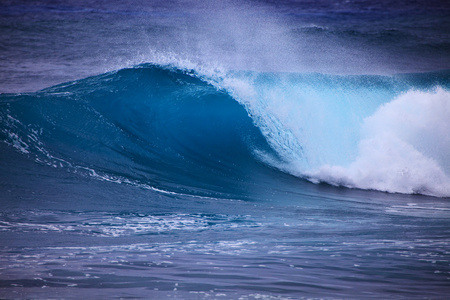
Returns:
point(223, 134)
point(150, 126)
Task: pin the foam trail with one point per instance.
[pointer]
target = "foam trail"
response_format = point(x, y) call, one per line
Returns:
point(404, 148)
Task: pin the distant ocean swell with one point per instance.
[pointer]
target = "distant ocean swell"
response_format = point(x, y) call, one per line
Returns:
point(185, 131)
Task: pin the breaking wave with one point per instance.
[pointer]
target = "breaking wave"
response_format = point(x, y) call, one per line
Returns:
point(213, 133)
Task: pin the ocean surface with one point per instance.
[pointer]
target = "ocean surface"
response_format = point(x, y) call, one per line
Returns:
point(224, 149)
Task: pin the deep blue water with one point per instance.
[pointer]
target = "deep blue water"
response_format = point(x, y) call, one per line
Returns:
point(225, 150)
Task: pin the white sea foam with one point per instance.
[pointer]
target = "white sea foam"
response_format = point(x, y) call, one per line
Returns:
point(404, 148)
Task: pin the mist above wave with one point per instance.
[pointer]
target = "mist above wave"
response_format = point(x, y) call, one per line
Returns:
point(333, 38)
